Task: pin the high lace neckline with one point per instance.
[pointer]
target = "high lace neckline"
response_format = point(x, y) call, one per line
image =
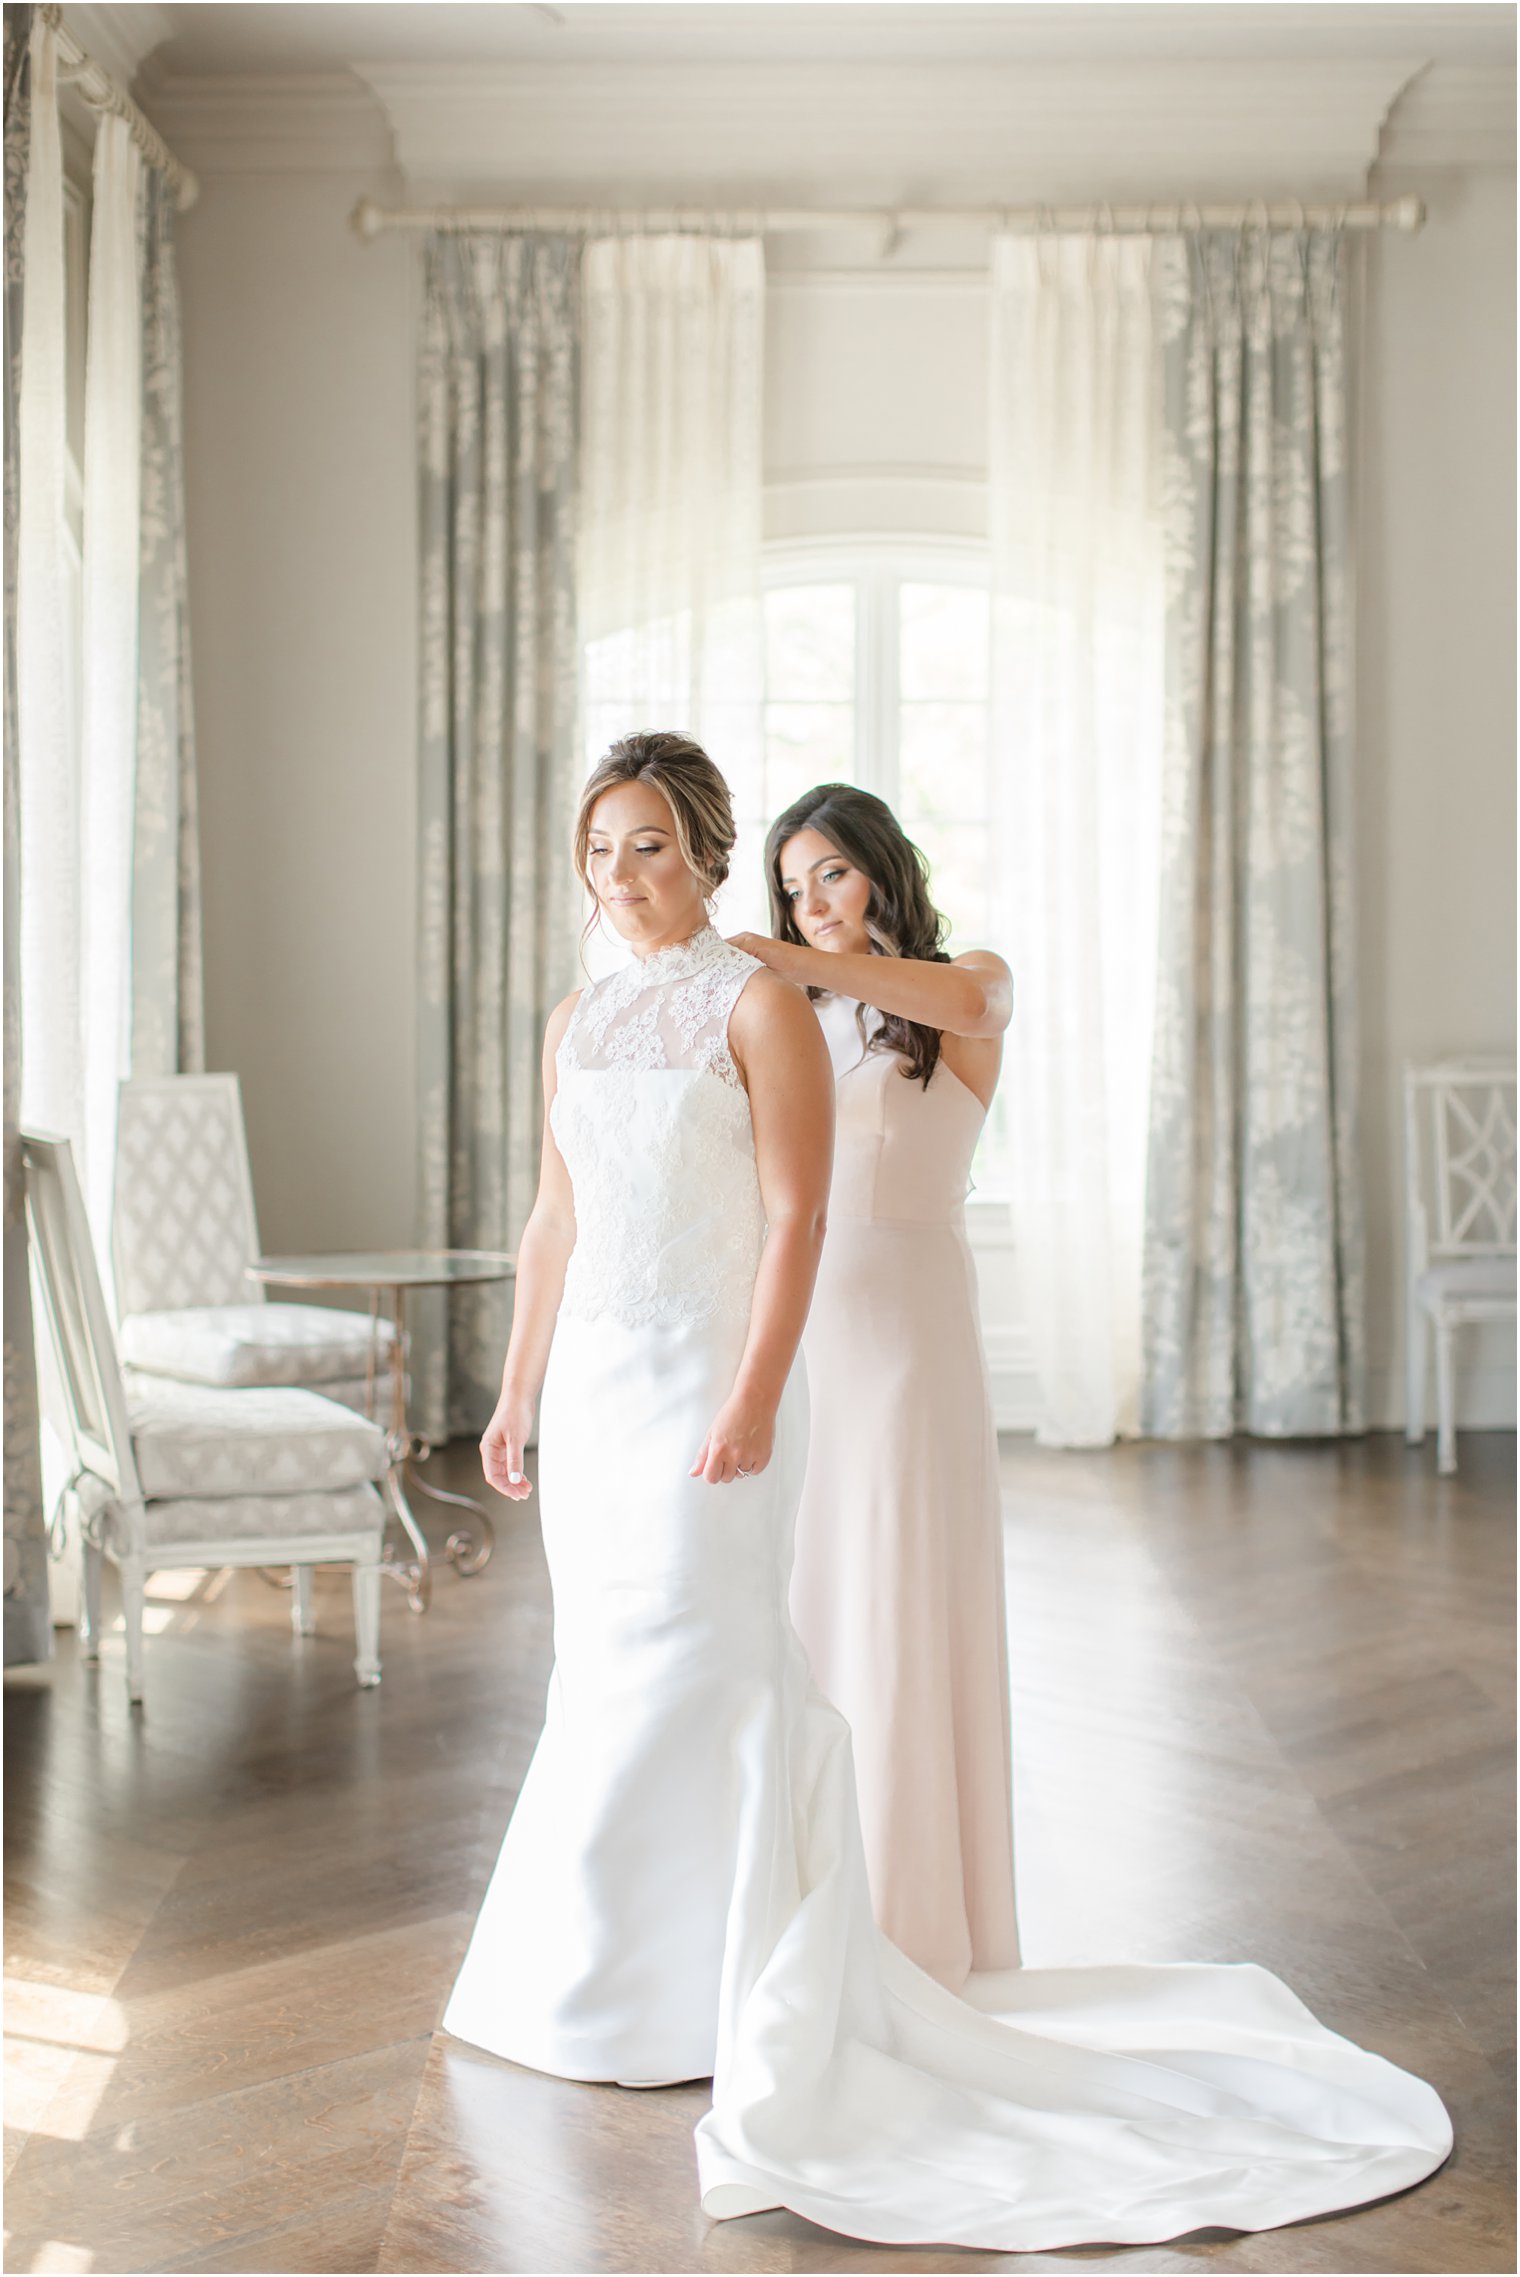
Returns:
point(678, 960)
point(667, 1010)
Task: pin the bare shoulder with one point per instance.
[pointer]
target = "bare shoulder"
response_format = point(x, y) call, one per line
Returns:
point(558, 1021)
point(774, 1018)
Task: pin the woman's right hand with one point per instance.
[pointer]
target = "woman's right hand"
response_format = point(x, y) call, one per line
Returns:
point(501, 1449)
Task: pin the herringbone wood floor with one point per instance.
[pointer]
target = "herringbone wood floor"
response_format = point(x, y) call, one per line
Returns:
point(1262, 1709)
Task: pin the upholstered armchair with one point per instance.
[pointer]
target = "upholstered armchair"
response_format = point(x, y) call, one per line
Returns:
point(183, 1232)
point(169, 1474)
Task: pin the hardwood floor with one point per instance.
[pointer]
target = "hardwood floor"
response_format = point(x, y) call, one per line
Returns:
point(1262, 1710)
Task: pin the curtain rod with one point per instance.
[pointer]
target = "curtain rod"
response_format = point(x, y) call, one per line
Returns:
point(95, 86)
point(369, 220)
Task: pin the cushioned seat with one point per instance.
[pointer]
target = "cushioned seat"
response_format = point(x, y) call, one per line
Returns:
point(194, 1439)
point(255, 1344)
point(166, 1473)
point(270, 1517)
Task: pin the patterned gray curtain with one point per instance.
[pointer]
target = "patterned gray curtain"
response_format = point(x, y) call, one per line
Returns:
point(498, 763)
point(28, 1629)
point(1254, 1244)
point(168, 1036)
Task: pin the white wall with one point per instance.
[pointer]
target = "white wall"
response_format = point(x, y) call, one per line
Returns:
point(298, 403)
point(1436, 710)
point(299, 375)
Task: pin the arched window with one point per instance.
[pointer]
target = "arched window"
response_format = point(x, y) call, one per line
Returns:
point(877, 672)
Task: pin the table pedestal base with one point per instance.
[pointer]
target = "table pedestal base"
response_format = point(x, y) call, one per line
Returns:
point(404, 1553)
point(468, 1548)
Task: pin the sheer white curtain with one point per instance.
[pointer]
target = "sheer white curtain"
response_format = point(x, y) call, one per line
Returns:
point(1078, 655)
point(77, 774)
point(47, 713)
point(669, 585)
point(108, 727)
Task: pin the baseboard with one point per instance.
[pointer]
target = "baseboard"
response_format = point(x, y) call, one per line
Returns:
point(1010, 1366)
point(1015, 1399)
point(1485, 1399)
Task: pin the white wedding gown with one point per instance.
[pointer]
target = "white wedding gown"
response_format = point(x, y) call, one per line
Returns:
point(682, 1889)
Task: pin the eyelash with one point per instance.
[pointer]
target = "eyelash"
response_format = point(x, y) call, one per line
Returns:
point(595, 853)
point(828, 878)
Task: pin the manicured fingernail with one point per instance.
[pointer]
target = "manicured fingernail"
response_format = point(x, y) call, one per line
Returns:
point(514, 1478)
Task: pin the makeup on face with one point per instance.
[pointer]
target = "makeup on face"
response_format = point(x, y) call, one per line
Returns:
point(637, 871)
point(828, 896)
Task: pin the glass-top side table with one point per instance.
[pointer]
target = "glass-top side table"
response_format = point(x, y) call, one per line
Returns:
point(389, 1273)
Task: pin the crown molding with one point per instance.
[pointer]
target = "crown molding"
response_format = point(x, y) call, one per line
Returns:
point(120, 38)
point(876, 134)
point(889, 133)
point(318, 122)
point(1453, 115)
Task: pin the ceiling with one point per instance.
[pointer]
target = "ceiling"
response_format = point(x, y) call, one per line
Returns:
point(875, 103)
point(277, 37)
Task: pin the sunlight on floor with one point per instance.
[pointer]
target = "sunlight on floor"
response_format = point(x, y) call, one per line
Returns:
point(57, 2254)
point(60, 2051)
point(176, 1587)
point(172, 1598)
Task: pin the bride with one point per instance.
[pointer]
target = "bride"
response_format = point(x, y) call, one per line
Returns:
point(682, 1890)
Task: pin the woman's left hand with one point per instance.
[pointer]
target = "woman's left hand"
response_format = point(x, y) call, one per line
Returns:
point(769, 952)
point(739, 1443)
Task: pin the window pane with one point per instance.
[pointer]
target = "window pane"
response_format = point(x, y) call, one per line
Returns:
point(991, 1165)
point(806, 744)
point(743, 904)
point(943, 634)
point(944, 761)
point(810, 643)
point(958, 877)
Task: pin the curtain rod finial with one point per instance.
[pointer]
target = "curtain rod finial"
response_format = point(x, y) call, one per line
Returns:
point(366, 221)
point(1409, 213)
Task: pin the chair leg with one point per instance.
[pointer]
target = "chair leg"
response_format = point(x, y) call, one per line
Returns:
point(1416, 1370)
point(133, 1578)
point(303, 1606)
point(89, 1602)
point(367, 1619)
point(1446, 1400)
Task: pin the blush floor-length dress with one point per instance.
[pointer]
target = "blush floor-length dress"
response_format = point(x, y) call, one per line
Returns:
point(897, 1588)
point(682, 1890)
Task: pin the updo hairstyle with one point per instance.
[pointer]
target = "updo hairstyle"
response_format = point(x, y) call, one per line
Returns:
point(700, 802)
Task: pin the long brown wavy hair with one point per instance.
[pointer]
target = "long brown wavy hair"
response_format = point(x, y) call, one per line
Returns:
point(900, 918)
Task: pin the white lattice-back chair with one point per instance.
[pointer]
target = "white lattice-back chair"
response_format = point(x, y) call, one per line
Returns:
point(183, 1233)
point(168, 1475)
point(1459, 1178)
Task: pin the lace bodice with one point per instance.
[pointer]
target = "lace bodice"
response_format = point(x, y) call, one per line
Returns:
point(653, 1121)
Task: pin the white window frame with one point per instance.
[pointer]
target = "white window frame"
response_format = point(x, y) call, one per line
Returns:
point(876, 565)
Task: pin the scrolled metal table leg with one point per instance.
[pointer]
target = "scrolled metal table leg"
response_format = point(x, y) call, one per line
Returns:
point(415, 1574)
point(468, 1548)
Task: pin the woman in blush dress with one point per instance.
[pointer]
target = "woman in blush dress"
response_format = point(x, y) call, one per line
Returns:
point(897, 1589)
point(682, 1890)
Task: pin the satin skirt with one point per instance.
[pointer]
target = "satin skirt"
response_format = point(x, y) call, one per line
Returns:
point(682, 1892)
